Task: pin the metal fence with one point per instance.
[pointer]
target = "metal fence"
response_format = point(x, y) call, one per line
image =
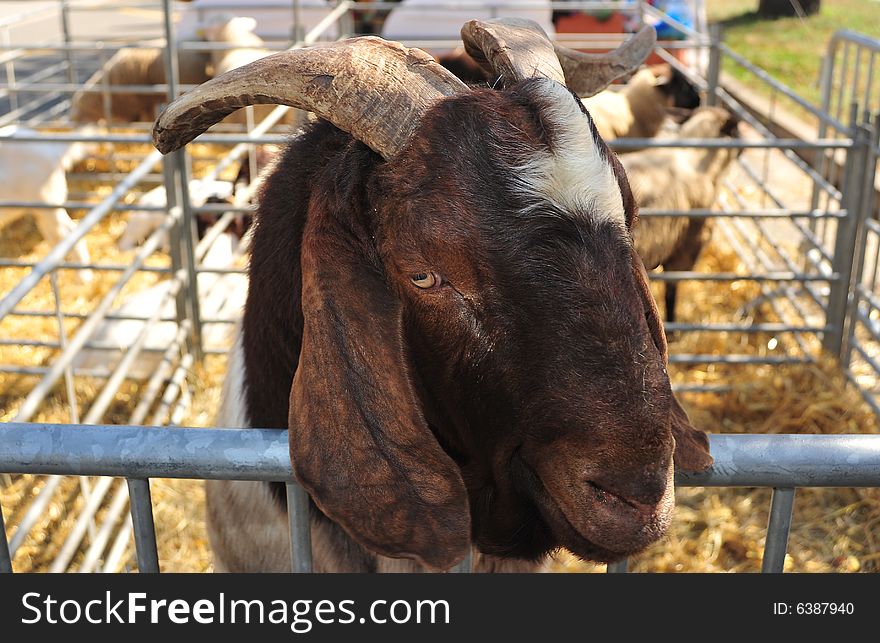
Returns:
point(783, 462)
point(812, 255)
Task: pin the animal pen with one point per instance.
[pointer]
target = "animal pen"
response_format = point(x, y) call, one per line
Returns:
point(782, 312)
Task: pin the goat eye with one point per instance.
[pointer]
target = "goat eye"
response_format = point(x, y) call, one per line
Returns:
point(425, 279)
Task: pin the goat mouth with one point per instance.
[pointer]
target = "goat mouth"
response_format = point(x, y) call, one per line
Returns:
point(610, 526)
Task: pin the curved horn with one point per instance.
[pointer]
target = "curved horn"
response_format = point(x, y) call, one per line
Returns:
point(373, 89)
point(513, 48)
point(588, 74)
point(516, 48)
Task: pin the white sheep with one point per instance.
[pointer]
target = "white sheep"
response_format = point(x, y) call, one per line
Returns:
point(141, 223)
point(35, 171)
point(220, 296)
point(639, 109)
point(239, 31)
point(679, 179)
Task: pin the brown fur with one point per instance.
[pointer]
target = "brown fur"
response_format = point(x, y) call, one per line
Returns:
point(520, 405)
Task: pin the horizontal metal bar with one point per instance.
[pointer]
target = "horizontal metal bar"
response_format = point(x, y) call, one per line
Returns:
point(729, 144)
point(739, 328)
point(741, 460)
point(128, 139)
point(79, 205)
point(67, 315)
point(691, 358)
point(764, 213)
point(97, 346)
point(17, 263)
point(732, 276)
point(701, 388)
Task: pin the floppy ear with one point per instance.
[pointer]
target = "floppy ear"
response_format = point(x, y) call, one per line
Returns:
point(358, 440)
point(691, 445)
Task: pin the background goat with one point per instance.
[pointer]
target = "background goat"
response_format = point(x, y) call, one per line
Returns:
point(133, 66)
point(37, 172)
point(639, 109)
point(443, 260)
point(679, 179)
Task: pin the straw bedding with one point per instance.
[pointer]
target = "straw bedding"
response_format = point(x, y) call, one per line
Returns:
point(713, 529)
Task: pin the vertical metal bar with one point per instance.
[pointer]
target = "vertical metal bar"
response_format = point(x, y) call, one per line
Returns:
point(84, 484)
point(10, 72)
point(65, 30)
point(823, 158)
point(177, 183)
point(171, 63)
point(5, 558)
point(300, 529)
point(466, 566)
point(778, 527)
point(346, 24)
point(172, 199)
point(62, 342)
point(188, 237)
point(619, 567)
point(845, 240)
point(713, 70)
point(144, 529)
point(844, 68)
point(298, 29)
point(866, 197)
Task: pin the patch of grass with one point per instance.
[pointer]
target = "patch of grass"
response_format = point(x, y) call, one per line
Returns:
point(789, 49)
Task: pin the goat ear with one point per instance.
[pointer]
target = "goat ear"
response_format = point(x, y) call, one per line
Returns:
point(691, 445)
point(358, 440)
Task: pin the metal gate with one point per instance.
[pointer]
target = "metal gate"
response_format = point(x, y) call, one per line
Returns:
point(811, 264)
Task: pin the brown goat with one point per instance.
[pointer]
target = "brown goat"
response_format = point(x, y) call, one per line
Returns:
point(447, 313)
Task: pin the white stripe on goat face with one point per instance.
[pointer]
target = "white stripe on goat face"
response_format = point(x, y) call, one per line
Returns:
point(574, 176)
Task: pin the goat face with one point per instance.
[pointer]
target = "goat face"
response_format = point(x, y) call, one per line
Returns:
point(509, 314)
point(478, 356)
